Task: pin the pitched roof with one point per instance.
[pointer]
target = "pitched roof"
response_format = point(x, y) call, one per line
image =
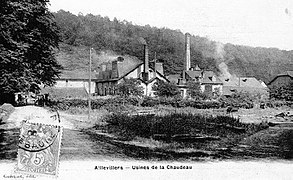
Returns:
point(76, 75)
point(209, 73)
point(250, 82)
point(247, 84)
point(228, 90)
point(244, 82)
point(152, 79)
point(290, 73)
point(72, 92)
point(173, 77)
point(263, 83)
point(194, 74)
point(286, 73)
point(211, 78)
point(129, 64)
point(124, 67)
point(161, 75)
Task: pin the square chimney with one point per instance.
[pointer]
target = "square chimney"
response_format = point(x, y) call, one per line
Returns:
point(146, 63)
point(187, 52)
point(187, 64)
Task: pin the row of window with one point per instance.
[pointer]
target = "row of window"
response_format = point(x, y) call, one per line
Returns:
point(106, 91)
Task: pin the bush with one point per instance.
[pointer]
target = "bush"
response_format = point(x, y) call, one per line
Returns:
point(65, 104)
point(282, 93)
point(278, 103)
point(199, 104)
point(129, 87)
point(177, 123)
point(166, 89)
point(240, 100)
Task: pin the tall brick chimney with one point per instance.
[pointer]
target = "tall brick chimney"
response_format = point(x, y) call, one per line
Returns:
point(187, 56)
point(187, 52)
point(146, 63)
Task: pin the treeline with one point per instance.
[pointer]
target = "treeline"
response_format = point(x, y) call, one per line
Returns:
point(122, 37)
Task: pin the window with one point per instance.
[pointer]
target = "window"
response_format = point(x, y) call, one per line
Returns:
point(182, 92)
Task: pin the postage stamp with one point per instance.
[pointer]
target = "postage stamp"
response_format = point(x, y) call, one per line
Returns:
point(39, 149)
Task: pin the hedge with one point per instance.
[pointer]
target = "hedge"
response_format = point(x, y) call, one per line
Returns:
point(65, 104)
point(177, 123)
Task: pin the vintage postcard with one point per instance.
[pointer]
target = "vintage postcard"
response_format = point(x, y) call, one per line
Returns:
point(146, 89)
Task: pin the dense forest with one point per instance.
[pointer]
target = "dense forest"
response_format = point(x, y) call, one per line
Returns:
point(114, 37)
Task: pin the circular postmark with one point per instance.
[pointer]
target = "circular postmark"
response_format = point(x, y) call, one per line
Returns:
point(37, 137)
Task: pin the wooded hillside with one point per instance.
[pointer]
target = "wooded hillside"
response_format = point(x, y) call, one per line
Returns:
point(113, 37)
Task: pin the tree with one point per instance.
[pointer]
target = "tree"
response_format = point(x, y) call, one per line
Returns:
point(70, 27)
point(284, 92)
point(129, 87)
point(194, 90)
point(165, 89)
point(28, 38)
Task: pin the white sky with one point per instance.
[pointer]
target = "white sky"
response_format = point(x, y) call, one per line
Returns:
point(265, 23)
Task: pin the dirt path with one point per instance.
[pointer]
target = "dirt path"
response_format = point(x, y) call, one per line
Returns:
point(75, 144)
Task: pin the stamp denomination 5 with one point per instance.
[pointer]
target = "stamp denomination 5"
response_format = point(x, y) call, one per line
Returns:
point(39, 147)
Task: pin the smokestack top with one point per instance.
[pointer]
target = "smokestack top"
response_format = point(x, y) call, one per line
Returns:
point(187, 52)
point(146, 63)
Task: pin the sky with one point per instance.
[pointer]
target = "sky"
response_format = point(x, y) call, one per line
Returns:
point(257, 23)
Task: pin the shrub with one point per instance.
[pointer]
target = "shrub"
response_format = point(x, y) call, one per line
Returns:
point(150, 102)
point(199, 104)
point(194, 90)
point(177, 123)
point(240, 100)
point(282, 93)
point(65, 104)
point(278, 103)
point(165, 89)
point(129, 87)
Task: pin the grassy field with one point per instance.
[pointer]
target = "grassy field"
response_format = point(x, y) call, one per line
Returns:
point(136, 135)
point(169, 134)
point(257, 141)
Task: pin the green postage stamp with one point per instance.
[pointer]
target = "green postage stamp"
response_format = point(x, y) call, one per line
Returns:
point(39, 149)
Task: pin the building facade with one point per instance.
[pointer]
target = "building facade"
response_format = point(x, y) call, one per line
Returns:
point(126, 67)
point(244, 84)
point(74, 79)
point(208, 80)
point(283, 79)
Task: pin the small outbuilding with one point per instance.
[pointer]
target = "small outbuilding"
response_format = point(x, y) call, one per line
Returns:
point(282, 79)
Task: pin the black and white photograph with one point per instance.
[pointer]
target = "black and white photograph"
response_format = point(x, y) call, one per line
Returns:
point(146, 89)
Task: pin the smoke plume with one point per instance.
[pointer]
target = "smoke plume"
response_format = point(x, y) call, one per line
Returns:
point(224, 70)
point(219, 50)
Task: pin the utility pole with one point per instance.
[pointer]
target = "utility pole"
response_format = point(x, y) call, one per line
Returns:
point(90, 79)
point(155, 68)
